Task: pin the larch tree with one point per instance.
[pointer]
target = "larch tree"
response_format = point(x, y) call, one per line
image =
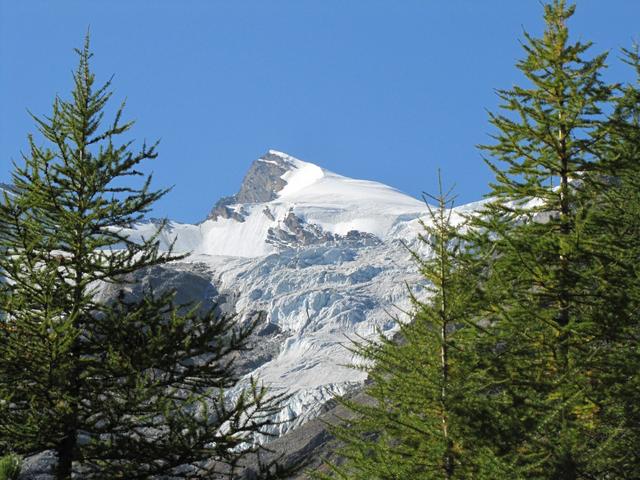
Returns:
point(424, 381)
point(612, 239)
point(129, 388)
point(542, 292)
point(532, 330)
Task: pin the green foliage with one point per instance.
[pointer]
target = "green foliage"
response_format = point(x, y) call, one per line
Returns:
point(10, 467)
point(126, 388)
point(614, 231)
point(524, 362)
point(424, 383)
point(552, 298)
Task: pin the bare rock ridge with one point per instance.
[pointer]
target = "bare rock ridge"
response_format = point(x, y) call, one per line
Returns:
point(294, 232)
point(261, 183)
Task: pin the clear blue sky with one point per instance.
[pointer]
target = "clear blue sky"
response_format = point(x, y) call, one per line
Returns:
point(383, 90)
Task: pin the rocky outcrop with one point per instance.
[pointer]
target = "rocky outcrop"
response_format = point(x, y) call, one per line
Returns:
point(294, 232)
point(190, 286)
point(40, 466)
point(261, 184)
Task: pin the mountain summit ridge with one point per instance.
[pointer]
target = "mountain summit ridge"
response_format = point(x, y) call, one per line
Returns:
point(284, 202)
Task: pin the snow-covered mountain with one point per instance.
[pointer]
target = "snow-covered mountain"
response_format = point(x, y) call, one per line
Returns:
point(285, 203)
point(321, 254)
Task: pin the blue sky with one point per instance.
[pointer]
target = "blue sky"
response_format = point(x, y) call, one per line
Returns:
point(383, 90)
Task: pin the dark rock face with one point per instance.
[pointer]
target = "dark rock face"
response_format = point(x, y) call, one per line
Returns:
point(263, 180)
point(263, 345)
point(190, 287)
point(261, 184)
point(268, 214)
point(222, 209)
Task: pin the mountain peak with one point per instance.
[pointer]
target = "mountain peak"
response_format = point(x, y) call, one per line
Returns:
point(262, 183)
point(278, 157)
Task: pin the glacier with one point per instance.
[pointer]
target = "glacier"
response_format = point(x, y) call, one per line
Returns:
point(324, 256)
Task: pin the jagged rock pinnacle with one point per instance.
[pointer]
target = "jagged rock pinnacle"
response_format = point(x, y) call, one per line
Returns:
point(261, 184)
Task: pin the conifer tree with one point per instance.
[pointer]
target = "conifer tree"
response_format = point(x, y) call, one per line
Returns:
point(548, 277)
point(612, 231)
point(128, 388)
point(423, 384)
point(542, 286)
